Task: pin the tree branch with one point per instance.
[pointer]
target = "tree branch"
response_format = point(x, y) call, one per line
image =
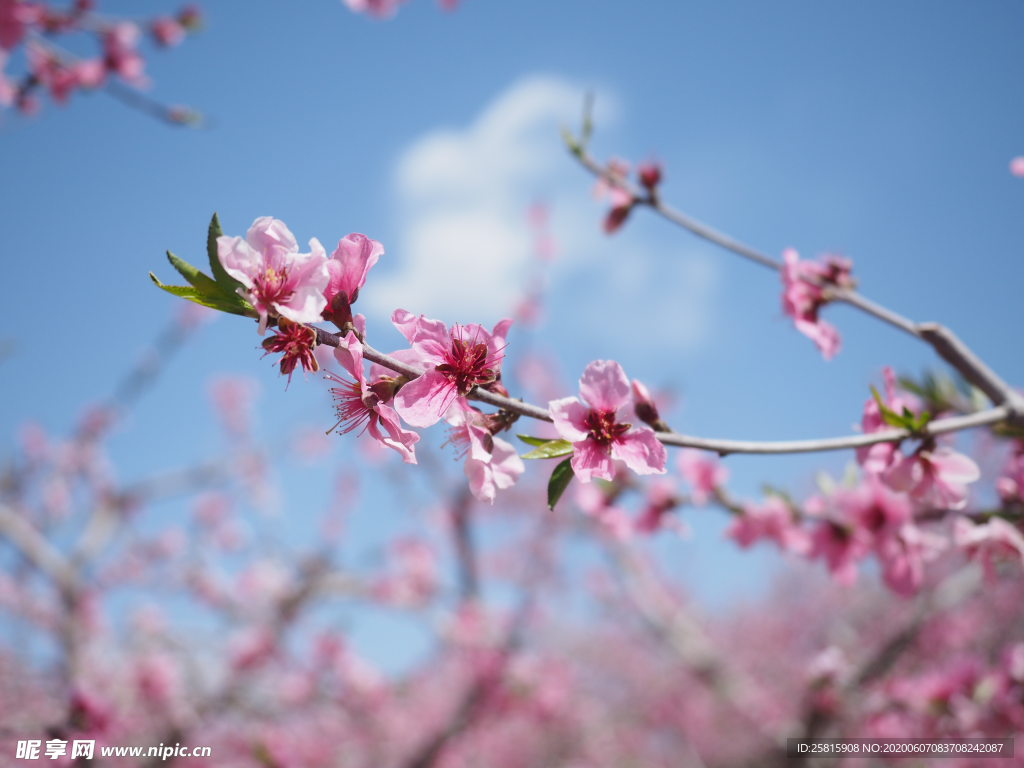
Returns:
point(720, 446)
point(942, 340)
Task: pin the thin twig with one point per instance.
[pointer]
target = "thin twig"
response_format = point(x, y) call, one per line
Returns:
point(720, 446)
point(941, 339)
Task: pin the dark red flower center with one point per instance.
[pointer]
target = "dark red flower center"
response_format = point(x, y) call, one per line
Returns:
point(467, 364)
point(272, 286)
point(295, 341)
point(604, 427)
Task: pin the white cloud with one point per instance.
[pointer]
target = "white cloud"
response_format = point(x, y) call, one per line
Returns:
point(464, 243)
point(464, 246)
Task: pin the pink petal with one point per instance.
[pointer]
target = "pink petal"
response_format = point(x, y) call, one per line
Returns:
point(497, 343)
point(423, 401)
point(641, 451)
point(506, 464)
point(420, 329)
point(825, 337)
point(953, 467)
point(402, 440)
point(590, 460)
point(570, 415)
point(350, 262)
point(349, 353)
point(307, 277)
point(481, 479)
point(239, 259)
point(267, 233)
point(905, 475)
point(604, 386)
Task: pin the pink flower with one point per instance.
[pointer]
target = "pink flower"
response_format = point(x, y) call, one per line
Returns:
point(902, 554)
point(936, 477)
point(491, 463)
point(659, 501)
point(645, 408)
point(277, 279)
point(348, 266)
point(842, 546)
point(382, 9)
point(871, 507)
point(649, 174)
point(611, 186)
point(996, 539)
point(622, 205)
point(876, 459)
point(90, 73)
point(366, 405)
point(295, 342)
point(704, 473)
point(1017, 166)
point(120, 54)
point(802, 296)
point(868, 518)
point(15, 16)
point(456, 361)
point(596, 432)
point(167, 32)
point(771, 520)
point(60, 78)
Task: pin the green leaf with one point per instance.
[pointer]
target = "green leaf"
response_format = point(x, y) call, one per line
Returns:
point(234, 306)
point(533, 440)
point(194, 276)
point(551, 449)
point(889, 416)
point(559, 481)
point(224, 280)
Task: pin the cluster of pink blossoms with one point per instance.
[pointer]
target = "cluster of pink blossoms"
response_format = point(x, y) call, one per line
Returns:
point(805, 287)
point(445, 365)
point(612, 184)
point(881, 515)
point(290, 289)
point(385, 9)
point(34, 25)
point(933, 476)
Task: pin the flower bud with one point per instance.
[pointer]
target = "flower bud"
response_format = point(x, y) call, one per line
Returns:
point(645, 408)
point(385, 387)
point(649, 175)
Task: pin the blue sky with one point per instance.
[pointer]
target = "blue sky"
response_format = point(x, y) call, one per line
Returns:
point(881, 131)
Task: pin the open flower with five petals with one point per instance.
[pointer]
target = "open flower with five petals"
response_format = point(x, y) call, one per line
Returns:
point(456, 361)
point(596, 431)
point(276, 279)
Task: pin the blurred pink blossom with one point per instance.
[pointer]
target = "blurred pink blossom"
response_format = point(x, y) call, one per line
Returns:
point(803, 296)
point(704, 472)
